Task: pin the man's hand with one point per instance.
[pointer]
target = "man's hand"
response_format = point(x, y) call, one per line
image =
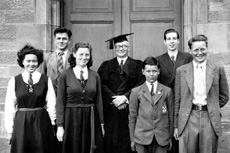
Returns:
point(118, 100)
point(175, 134)
point(170, 144)
point(9, 137)
point(122, 106)
point(60, 133)
point(132, 145)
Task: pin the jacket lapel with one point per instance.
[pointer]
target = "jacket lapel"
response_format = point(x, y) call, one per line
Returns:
point(126, 66)
point(167, 63)
point(53, 61)
point(66, 60)
point(146, 93)
point(189, 76)
point(158, 93)
point(209, 75)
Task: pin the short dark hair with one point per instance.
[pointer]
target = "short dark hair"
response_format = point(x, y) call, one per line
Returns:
point(28, 49)
point(171, 31)
point(63, 30)
point(196, 38)
point(72, 59)
point(151, 61)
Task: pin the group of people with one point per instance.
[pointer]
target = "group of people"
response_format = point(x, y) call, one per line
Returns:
point(59, 105)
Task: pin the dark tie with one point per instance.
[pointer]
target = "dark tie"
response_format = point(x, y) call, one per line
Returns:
point(121, 66)
point(60, 62)
point(173, 59)
point(82, 79)
point(152, 89)
point(30, 82)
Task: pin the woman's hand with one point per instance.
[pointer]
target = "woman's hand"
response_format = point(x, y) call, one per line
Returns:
point(60, 133)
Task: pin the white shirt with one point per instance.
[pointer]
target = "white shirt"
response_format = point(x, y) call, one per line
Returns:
point(124, 60)
point(77, 72)
point(173, 53)
point(149, 85)
point(10, 101)
point(200, 99)
point(63, 56)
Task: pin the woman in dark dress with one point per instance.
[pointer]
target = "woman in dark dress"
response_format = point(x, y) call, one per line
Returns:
point(79, 104)
point(30, 106)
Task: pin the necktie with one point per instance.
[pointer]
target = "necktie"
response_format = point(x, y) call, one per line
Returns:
point(152, 89)
point(173, 59)
point(200, 86)
point(82, 79)
point(60, 62)
point(121, 67)
point(30, 82)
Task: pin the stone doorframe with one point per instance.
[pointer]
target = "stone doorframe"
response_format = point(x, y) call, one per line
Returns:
point(194, 12)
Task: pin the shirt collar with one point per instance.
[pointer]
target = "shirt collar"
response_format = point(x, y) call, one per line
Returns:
point(65, 52)
point(124, 59)
point(203, 64)
point(174, 53)
point(26, 73)
point(150, 85)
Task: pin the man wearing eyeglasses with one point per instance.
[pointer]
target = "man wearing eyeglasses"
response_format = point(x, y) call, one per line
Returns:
point(118, 76)
point(201, 89)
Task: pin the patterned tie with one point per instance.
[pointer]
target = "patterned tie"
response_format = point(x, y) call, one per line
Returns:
point(30, 82)
point(121, 67)
point(200, 86)
point(152, 89)
point(82, 78)
point(60, 62)
point(173, 59)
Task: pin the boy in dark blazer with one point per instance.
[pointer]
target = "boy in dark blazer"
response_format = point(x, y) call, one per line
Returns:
point(151, 112)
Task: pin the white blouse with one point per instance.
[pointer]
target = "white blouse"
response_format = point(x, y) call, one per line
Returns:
point(10, 101)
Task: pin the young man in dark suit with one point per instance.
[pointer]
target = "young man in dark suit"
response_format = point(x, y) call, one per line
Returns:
point(201, 89)
point(169, 62)
point(118, 76)
point(172, 59)
point(151, 112)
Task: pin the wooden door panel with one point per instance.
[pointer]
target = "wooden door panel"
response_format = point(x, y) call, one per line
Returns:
point(148, 20)
point(148, 39)
point(95, 21)
point(95, 35)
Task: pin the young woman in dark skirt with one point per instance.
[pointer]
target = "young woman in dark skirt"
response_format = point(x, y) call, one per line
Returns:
point(79, 104)
point(30, 106)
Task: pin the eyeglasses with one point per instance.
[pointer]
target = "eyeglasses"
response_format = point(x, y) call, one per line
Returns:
point(199, 49)
point(117, 47)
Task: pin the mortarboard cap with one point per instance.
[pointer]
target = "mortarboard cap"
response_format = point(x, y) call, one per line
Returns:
point(117, 39)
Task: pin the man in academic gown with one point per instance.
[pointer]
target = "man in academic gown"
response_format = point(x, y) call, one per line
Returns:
point(118, 76)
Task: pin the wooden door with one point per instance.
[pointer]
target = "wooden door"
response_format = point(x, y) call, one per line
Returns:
point(95, 21)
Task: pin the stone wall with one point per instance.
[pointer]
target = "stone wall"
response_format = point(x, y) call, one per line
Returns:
point(23, 22)
point(217, 28)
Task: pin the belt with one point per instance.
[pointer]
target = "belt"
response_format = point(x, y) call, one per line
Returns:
point(30, 109)
point(199, 107)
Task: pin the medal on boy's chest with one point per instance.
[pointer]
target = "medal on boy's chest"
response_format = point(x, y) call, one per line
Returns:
point(164, 108)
